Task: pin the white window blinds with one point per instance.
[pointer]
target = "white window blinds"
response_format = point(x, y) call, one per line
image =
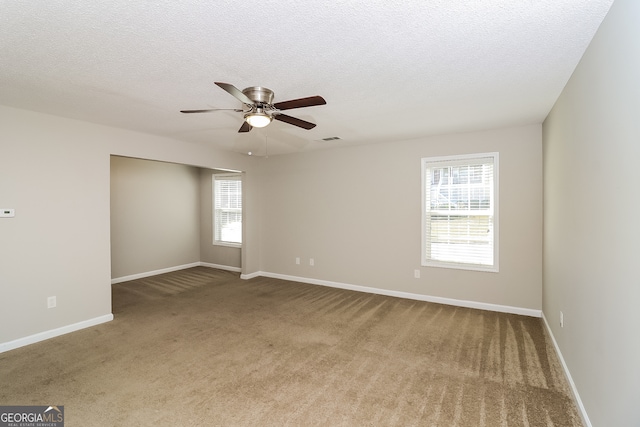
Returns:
point(460, 211)
point(227, 209)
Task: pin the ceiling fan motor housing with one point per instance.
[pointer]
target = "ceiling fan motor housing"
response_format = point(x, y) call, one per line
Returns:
point(259, 94)
point(259, 109)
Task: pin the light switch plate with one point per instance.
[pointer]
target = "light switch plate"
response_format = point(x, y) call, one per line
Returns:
point(7, 213)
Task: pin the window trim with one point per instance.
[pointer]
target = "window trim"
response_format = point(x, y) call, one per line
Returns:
point(222, 176)
point(462, 159)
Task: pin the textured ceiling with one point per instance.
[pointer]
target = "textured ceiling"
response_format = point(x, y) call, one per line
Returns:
point(389, 69)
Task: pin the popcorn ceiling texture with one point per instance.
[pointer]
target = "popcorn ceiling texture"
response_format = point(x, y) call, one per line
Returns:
point(389, 70)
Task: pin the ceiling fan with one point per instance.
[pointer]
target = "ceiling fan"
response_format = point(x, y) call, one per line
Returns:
point(259, 109)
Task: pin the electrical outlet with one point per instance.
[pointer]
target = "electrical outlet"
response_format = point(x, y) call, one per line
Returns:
point(311, 262)
point(561, 319)
point(298, 260)
point(51, 302)
point(416, 274)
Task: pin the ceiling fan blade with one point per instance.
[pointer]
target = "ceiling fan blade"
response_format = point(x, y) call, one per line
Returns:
point(294, 121)
point(235, 92)
point(299, 103)
point(237, 110)
point(246, 127)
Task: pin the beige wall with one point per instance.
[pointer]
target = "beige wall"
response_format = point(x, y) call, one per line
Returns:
point(591, 235)
point(58, 242)
point(55, 173)
point(155, 215)
point(357, 212)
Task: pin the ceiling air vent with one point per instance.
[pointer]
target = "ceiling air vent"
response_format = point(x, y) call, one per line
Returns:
point(331, 138)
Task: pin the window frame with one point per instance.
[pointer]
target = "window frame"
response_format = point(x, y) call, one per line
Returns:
point(427, 163)
point(214, 209)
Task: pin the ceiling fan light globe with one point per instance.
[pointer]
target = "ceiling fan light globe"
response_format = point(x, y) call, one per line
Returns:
point(258, 120)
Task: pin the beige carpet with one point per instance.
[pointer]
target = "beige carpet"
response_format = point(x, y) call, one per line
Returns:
point(201, 347)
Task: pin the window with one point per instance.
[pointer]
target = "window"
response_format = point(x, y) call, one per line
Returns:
point(460, 212)
point(227, 209)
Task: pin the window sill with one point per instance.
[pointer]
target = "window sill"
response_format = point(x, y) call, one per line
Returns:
point(228, 244)
point(456, 266)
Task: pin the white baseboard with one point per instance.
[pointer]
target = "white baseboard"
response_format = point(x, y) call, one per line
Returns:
point(32, 339)
point(221, 267)
point(170, 269)
point(153, 273)
point(251, 275)
point(407, 295)
point(574, 390)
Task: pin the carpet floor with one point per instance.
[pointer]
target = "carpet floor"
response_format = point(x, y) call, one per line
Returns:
point(201, 347)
